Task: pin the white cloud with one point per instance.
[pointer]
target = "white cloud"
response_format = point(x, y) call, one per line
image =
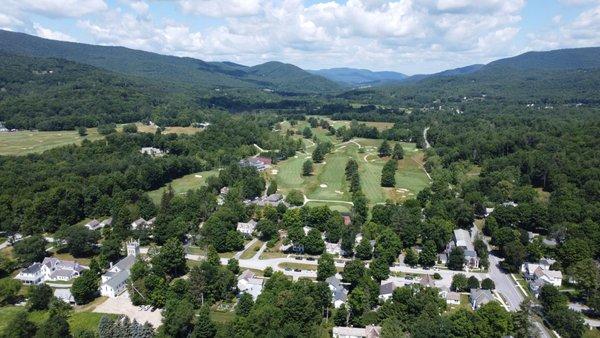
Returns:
point(59, 8)
point(139, 7)
point(221, 8)
point(50, 34)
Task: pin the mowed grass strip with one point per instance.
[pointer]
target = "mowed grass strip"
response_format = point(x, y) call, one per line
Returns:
point(183, 184)
point(28, 142)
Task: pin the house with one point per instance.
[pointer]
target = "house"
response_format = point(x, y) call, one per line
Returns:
point(248, 283)
point(154, 152)
point(247, 228)
point(553, 277)
point(105, 223)
point(65, 295)
point(114, 280)
point(93, 224)
point(386, 290)
point(224, 191)
point(138, 224)
point(462, 239)
point(50, 269)
point(272, 200)
point(371, 331)
point(541, 272)
point(452, 298)
point(480, 297)
point(347, 219)
point(488, 212)
point(427, 281)
point(338, 291)
point(150, 222)
point(333, 248)
point(259, 163)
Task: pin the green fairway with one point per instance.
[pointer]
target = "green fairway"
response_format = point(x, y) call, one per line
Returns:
point(183, 184)
point(26, 142)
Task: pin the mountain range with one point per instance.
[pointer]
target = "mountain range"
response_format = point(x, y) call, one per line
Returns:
point(359, 77)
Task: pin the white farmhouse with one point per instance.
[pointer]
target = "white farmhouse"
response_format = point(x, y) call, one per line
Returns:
point(50, 269)
point(114, 281)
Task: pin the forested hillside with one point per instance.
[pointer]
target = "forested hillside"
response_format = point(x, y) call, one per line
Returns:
point(171, 69)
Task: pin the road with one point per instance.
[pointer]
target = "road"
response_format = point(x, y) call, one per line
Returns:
point(505, 284)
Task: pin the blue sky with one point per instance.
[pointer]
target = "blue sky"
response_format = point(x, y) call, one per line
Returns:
point(409, 36)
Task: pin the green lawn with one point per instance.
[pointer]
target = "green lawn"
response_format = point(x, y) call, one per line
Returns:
point(26, 142)
point(78, 321)
point(183, 184)
point(252, 250)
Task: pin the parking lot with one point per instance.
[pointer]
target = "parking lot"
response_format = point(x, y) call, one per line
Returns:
point(122, 305)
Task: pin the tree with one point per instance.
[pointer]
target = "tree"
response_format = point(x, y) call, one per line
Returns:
point(244, 305)
point(388, 173)
point(31, 249)
point(268, 271)
point(56, 326)
point(566, 322)
point(85, 288)
point(473, 283)
point(233, 265)
point(411, 258)
point(313, 243)
point(306, 132)
point(40, 297)
point(384, 149)
point(326, 267)
point(130, 128)
point(79, 240)
point(272, 188)
point(551, 298)
point(488, 284)
point(379, 268)
point(307, 168)
point(353, 272)
point(459, 282)
point(295, 197)
point(170, 260)
point(428, 255)
point(82, 131)
point(398, 152)
point(20, 327)
point(364, 250)
point(341, 316)
point(456, 259)
point(318, 154)
point(9, 288)
point(212, 256)
point(514, 256)
point(177, 318)
point(523, 326)
point(204, 327)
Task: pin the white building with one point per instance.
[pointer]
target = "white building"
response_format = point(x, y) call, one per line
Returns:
point(151, 151)
point(541, 274)
point(333, 248)
point(50, 269)
point(114, 281)
point(248, 283)
point(247, 228)
point(371, 331)
point(95, 224)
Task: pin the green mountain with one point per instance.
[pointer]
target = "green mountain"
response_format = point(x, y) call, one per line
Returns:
point(189, 71)
point(560, 76)
point(56, 94)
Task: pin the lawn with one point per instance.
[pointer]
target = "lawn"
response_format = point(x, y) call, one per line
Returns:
point(300, 266)
point(142, 128)
point(27, 142)
point(252, 250)
point(78, 321)
point(183, 184)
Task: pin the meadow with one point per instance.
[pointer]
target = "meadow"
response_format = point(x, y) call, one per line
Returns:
point(28, 142)
point(183, 184)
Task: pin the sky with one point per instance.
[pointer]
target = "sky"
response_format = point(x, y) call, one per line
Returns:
point(408, 36)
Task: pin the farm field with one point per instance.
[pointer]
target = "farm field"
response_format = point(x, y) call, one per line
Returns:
point(27, 142)
point(327, 185)
point(183, 184)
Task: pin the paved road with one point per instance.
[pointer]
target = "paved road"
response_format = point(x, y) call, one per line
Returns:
point(505, 284)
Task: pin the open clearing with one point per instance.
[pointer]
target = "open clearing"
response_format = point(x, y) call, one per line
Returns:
point(27, 142)
point(328, 182)
point(183, 184)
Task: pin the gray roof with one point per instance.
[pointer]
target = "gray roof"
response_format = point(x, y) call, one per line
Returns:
point(118, 279)
point(33, 268)
point(481, 296)
point(125, 263)
point(64, 294)
point(470, 253)
point(339, 291)
point(387, 288)
point(274, 198)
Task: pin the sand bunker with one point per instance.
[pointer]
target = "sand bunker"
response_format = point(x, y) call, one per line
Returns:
point(339, 192)
point(323, 185)
point(296, 156)
point(402, 190)
point(274, 172)
point(198, 176)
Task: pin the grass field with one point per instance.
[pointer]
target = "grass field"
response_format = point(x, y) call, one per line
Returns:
point(328, 184)
point(27, 142)
point(183, 184)
point(252, 250)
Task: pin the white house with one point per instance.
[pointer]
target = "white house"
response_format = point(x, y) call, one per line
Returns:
point(248, 283)
point(93, 224)
point(338, 291)
point(386, 290)
point(151, 151)
point(371, 331)
point(452, 298)
point(462, 239)
point(480, 297)
point(50, 269)
point(333, 248)
point(540, 272)
point(247, 228)
point(114, 281)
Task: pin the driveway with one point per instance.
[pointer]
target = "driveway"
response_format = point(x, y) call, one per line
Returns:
point(122, 305)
